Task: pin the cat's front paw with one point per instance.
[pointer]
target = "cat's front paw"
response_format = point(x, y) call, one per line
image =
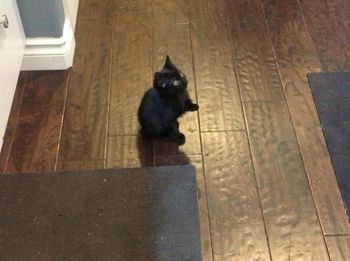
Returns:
point(181, 139)
point(193, 107)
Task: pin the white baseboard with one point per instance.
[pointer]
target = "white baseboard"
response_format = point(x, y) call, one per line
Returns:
point(50, 53)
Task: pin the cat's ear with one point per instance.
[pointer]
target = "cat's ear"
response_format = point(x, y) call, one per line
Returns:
point(168, 61)
point(169, 64)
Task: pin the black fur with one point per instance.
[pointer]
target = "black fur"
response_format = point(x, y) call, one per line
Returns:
point(164, 103)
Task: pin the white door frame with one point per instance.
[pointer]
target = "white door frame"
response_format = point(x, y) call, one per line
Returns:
point(12, 41)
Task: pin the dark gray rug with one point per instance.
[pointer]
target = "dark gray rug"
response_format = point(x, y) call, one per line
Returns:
point(128, 214)
point(331, 92)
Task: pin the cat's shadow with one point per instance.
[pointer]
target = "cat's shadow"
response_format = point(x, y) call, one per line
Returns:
point(159, 152)
point(156, 152)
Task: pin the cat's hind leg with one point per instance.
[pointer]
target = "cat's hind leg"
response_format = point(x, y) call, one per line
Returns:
point(174, 133)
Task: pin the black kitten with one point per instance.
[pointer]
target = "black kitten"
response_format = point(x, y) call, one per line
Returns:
point(164, 103)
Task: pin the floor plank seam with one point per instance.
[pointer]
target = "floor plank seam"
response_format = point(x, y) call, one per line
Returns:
point(308, 30)
point(174, 24)
point(190, 4)
point(265, 101)
point(62, 121)
point(223, 131)
point(293, 127)
point(337, 235)
point(109, 96)
point(246, 127)
point(152, 66)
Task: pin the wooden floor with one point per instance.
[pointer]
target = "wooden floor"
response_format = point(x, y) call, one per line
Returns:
point(267, 189)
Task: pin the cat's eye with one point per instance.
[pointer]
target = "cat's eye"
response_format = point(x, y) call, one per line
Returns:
point(176, 83)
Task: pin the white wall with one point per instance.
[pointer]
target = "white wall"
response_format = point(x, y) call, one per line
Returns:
point(42, 18)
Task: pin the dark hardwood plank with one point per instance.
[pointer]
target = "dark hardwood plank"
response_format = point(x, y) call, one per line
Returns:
point(218, 94)
point(329, 33)
point(208, 22)
point(255, 62)
point(12, 121)
point(292, 224)
point(196, 160)
point(129, 152)
point(178, 47)
point(35, 142)
point(338, 247)
point(299, 97)
point(131, 70)
point(290, 35)
point(236, 222)
point(136, 6)
point(170, 12)
point(297, 56)
point(85, 120)
point(97, 9)
point(344, 6)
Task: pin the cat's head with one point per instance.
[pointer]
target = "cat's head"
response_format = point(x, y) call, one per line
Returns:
point(170, 81)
